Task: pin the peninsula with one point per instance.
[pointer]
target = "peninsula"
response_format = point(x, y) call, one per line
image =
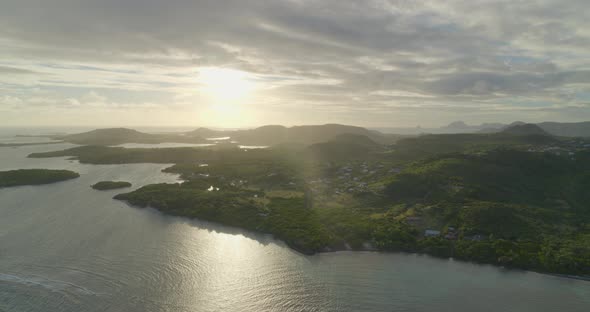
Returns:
point(517, 198)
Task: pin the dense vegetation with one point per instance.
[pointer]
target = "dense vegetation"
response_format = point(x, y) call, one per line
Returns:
point(120, 155)
point(527, 210)
point(110, 185)
point(415, 148)
point(34, 177)
point(282, 213)
point(518, 200)
point(530, 210)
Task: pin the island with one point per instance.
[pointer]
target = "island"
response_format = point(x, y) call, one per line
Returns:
point(34, 177)
point(517, 198)
point(28, 144)
point(110, 185)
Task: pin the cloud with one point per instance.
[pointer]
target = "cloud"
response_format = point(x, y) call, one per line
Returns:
point(486, 83)
point(16, 71)
point(377, 56)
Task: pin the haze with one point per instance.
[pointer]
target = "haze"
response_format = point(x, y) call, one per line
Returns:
point(248, 63)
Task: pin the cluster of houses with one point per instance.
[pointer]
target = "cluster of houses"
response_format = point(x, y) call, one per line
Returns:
point(352, 178)
point(238, 182)
point(452, 234)
point(567, 148)
point(556, 150)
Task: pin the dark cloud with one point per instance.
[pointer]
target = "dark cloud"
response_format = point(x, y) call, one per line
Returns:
point(517, 84)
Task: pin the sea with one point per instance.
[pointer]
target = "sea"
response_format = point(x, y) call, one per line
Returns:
point(68, 247)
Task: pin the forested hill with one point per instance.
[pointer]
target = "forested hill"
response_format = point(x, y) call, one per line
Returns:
point(525, 129)
point(116, 136)
point(311, 134)
point(513, 199)
point(572, 129)
point(265, 135)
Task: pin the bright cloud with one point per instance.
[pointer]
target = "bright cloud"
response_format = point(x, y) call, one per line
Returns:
point(246, 63)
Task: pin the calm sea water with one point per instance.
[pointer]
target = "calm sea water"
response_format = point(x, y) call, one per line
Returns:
point(67, 247)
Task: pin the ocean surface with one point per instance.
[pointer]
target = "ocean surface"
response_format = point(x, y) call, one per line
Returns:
point(67, 247)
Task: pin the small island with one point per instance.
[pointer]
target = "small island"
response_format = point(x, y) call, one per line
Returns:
point(28, 144)
point(110, 185)
point(34, 177)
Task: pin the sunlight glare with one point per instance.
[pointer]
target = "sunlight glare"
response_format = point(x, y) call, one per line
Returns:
point(227, 93)
point(225, 85)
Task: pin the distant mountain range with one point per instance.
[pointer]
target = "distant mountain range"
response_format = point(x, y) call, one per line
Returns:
point(265, 135)
point(116, 136)
point(567, 129)
point(524, 129)
point(274, 134)
point(574, 129)
point(314, 134)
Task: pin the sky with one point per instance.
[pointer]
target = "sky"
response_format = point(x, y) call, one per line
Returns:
point(244, 63)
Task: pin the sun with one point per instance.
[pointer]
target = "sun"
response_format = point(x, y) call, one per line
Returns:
point(227, 94)
point(225, 86)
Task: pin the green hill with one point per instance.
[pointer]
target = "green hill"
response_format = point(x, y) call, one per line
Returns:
point(525, 129)
point(562, 129)
point(206, 133)
point(116, 136)
point(530, 208)
point(111, 136)
point(311, 134)
point(265, 135)
point(571, 129)
point(272, 135)
point(414, 148)
point(110, 185)
point(344, 147)
point(501, 175)
point(34, 177)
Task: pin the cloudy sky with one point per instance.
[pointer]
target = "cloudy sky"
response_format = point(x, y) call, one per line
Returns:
point(253, 62)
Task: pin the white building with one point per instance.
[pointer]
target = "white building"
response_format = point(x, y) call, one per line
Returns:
point(431, 233)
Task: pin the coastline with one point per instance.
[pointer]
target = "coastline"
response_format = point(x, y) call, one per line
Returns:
point(333, 249)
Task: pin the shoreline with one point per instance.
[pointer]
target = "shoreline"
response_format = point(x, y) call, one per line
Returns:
point(375, 250)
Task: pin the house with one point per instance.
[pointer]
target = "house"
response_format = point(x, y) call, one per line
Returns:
point(395, 170)
point(414, 220)
point(431, 233)
point(451, 236)
point(477, 237)
point(451, 233)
